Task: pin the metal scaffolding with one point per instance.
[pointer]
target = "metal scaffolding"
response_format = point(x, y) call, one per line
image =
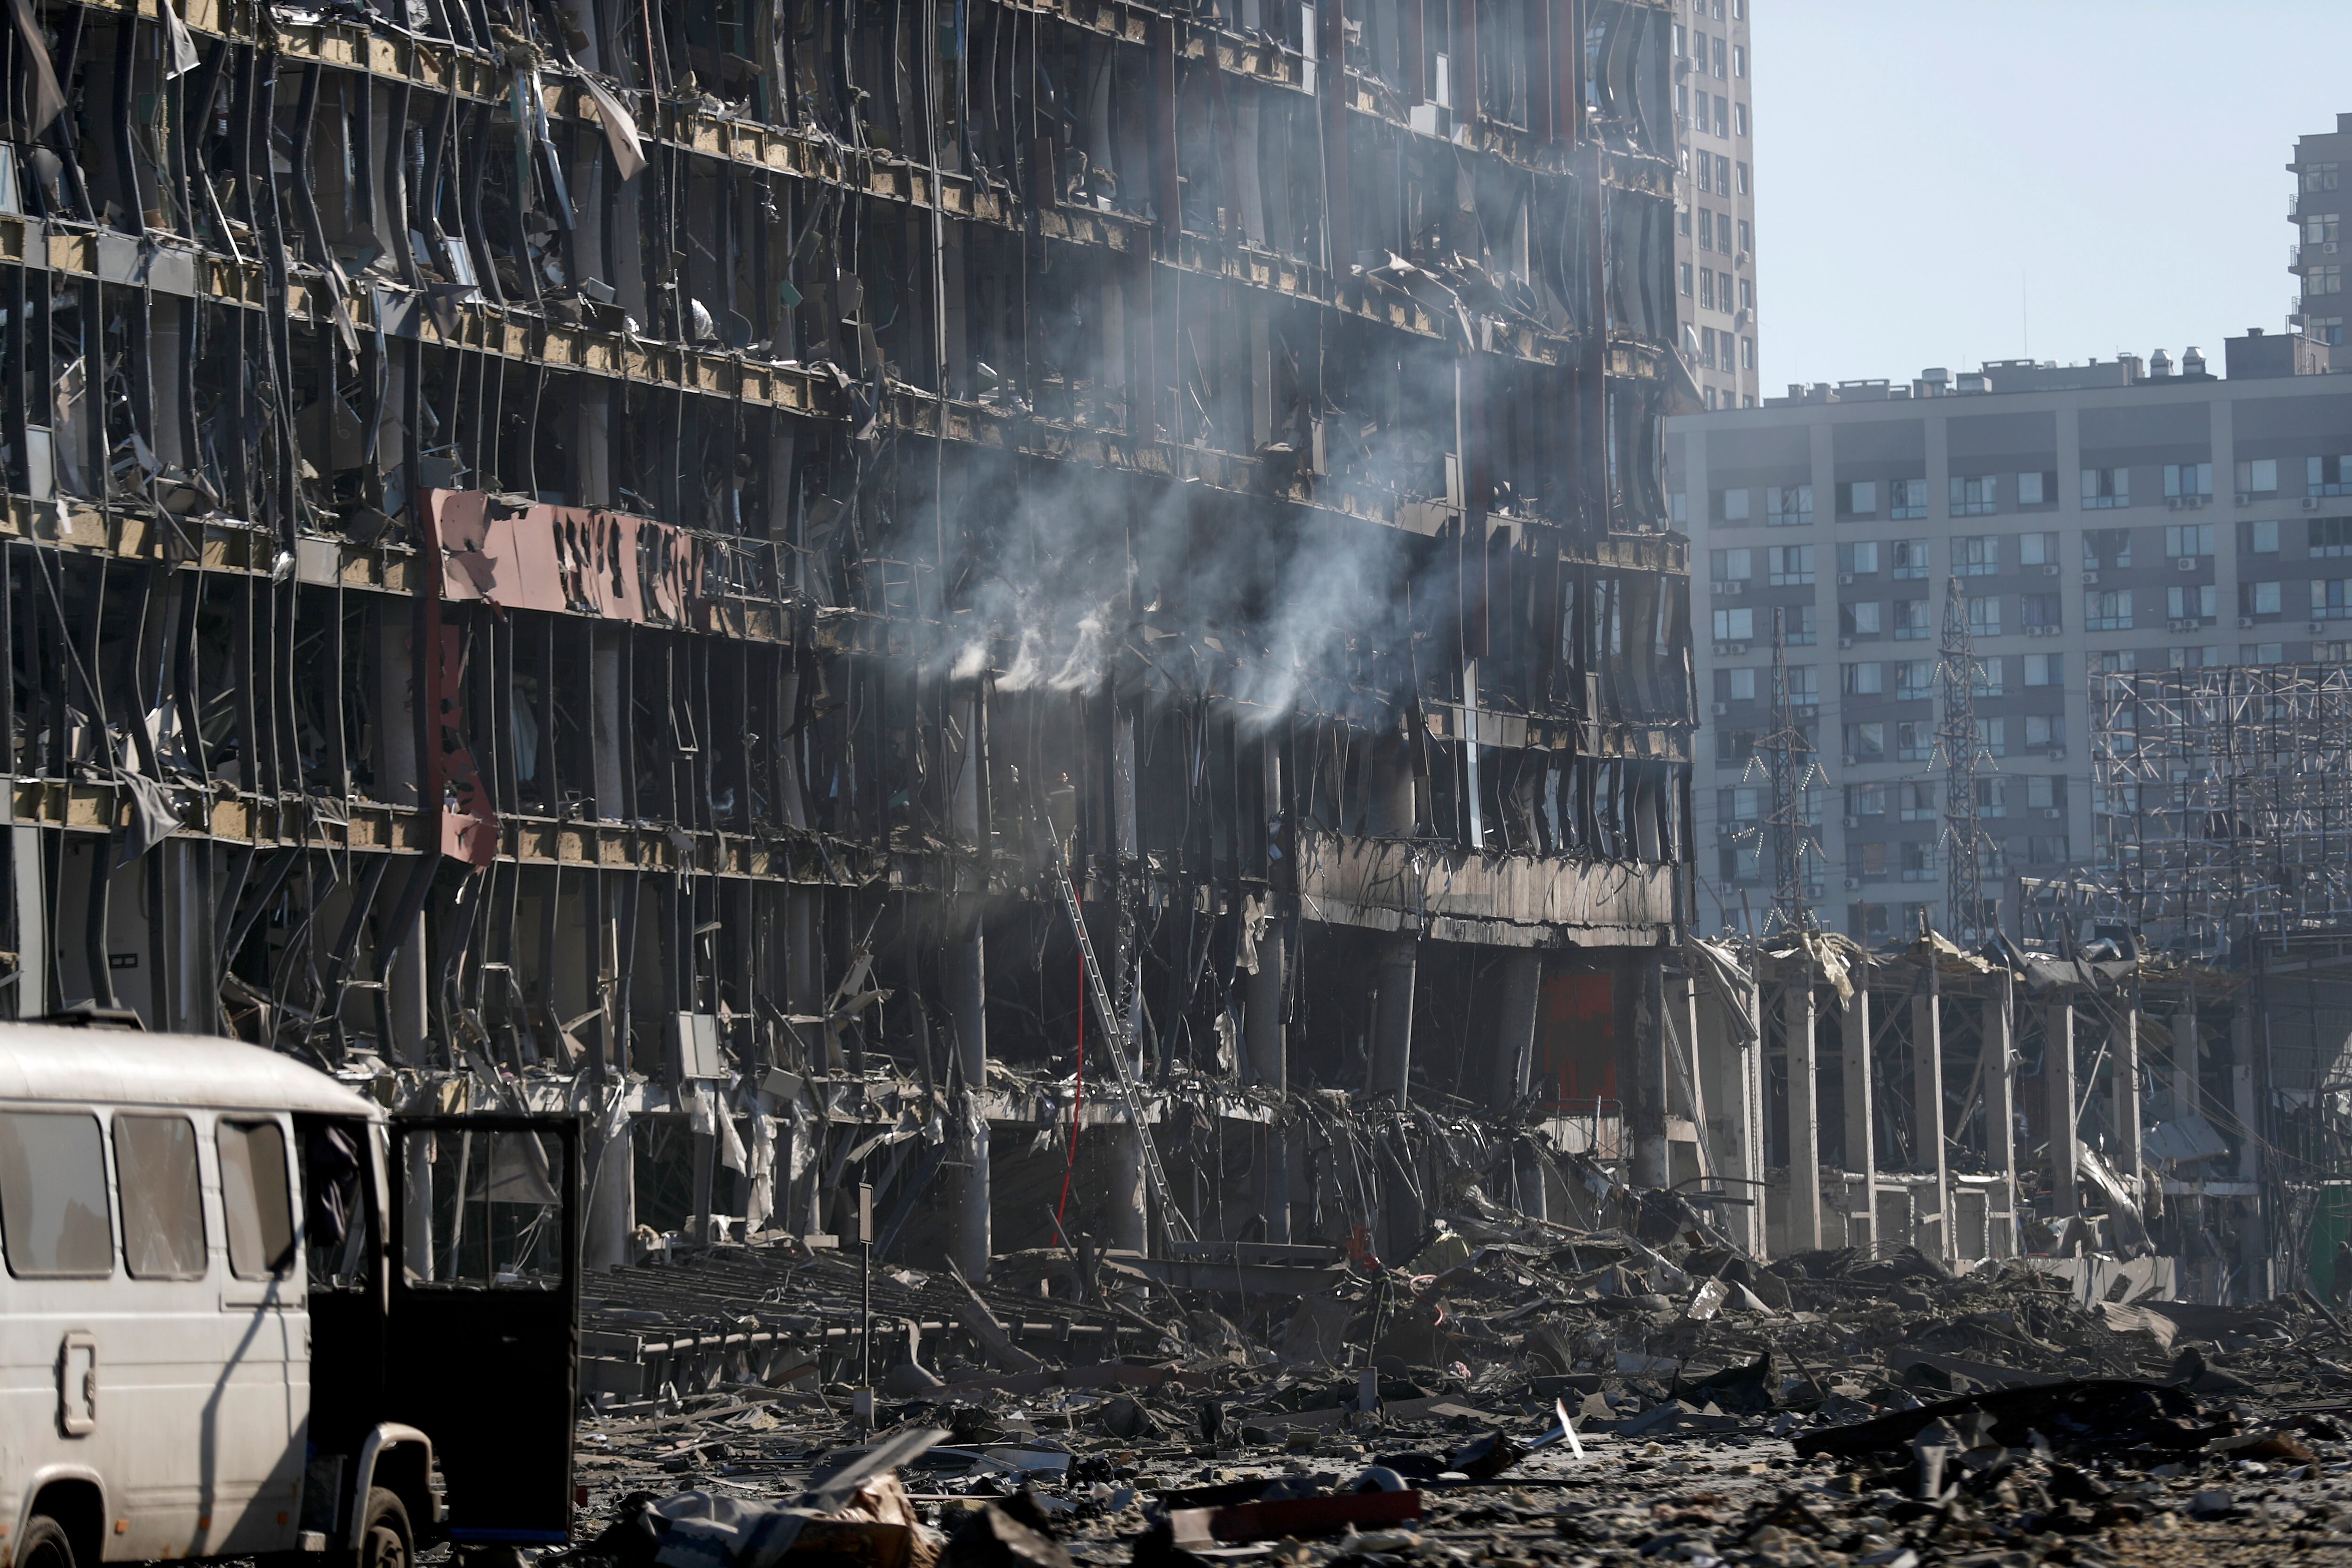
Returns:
point(2221, 801)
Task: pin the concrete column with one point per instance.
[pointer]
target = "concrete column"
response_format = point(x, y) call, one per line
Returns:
point(2245, 1101)
point(2000, 1069)
point(1396, 811)
point(2188, 1098)
point(1125, 1199)
point(608, 726)
point(1645, 1113)
point(1514, 1042)
point(2125, 1101)
point(1393, 1024)
point(612, 1196)
point(2058, 1085)
point(1804, 1113)
point(1927, 1104)
point(1269, 1067)
point(1750, 1069)
point(406, 986)
point(1861, 1130)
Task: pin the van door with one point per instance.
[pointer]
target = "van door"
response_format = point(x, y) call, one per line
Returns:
point(482, 1344)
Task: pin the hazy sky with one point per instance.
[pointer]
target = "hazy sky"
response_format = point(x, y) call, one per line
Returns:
point(2121, 159)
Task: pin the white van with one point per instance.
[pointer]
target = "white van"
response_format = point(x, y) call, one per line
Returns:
point(205, 1348)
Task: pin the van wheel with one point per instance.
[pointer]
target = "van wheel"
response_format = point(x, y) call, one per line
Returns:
point(44, 1544)
point(385, 1539)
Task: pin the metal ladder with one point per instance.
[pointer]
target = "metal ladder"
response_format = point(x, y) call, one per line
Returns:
point(1121, 1039)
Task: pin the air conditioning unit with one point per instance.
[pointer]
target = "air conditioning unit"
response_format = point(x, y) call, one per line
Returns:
point(2201, 500)
point(2245, 622)
point(2174, 503)
point(2311, 504)
point(2090, 579)
point(2244, 499)
point(2057, 753)
point(1722, 708)
point(1731, 588)
point(1846, 642)
point(2185, 563)
point(1853, 884)
point(1808, 710)
point(2317, 628)
point(2052, 813)
point(1845, 579)
point(2051, 569)
point(1852, 822)
point(1852, 761)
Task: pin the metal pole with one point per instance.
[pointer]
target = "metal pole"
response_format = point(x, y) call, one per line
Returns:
point(865, 1283)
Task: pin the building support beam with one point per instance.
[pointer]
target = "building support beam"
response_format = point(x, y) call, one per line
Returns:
point(1265, 1036)
point(2058, 1090)
point(1998, 1069)
point(1391, 1064)
point(2124, 1090)
point(1805, 1112)
point(1929, 1150)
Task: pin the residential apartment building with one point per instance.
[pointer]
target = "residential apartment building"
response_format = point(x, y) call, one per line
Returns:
point(2101, 517)
point(1715, 201)
point(2317, 256)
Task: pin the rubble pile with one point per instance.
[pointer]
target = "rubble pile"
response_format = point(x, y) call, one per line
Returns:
point(1518, 1391)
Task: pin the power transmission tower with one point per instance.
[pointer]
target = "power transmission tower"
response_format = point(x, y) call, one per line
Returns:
point(1956, 739)
point(1787, 754)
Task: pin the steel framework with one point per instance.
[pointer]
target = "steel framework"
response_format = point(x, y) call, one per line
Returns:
point(2221, 802)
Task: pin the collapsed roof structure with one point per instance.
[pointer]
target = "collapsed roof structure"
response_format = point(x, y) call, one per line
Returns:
point(648, 559)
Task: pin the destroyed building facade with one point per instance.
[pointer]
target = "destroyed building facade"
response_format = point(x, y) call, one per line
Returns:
point(607, 558)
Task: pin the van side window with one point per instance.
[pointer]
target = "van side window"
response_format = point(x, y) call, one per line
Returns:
point(53, 1209)
point(163, 1196)
point(255, 1200)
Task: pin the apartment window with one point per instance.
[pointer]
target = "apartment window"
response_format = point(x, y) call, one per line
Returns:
point(1872, 859)
point(1911, 620)
point(2330, 536)
point(1910, 557)
point(2044, 849)
point(1988, 680)
point(2329, 598)
point(2259, 537)
point(1856, 559)
point(1720, 49)
point(1738, 9)
point(1915, 740)
point(1747, 290)
point(2319, 177)
point(2329, 330)
point(1706, 338)
point(2044, 730)
point(2037, 550)
point(2196, 603)
point(1738, 804)
point(1682, 104)
point(1918, 862)
point(1862, 680)
point(2045, 668)
point(2104, 488)
point(2317, 280)
point(1710, 361)
point(1686, 280)
point(1975, 498)
point(2106, 547)
point(1909, 499)
point(2258, 475)
point(1747, 353)
point(1865, 800)
point(2261, 653)
point(2045, 792)
point(2039, 612)
point(1681, 41)
point(1703, 173)
point(1866, 741)
point(1723, 117)
point(2199, 657)
point(1722, 175)
point(1707, 288)
point(1731, 506)
point(1858, 620)
point(1984, 615)
point(1736, 685)
point(1739, 118)
point(1799, 626)
point(1787, 506)
point(1743, 179)
point(1976, 555)
point(1682, 221)
point(2329, 476)
point(1740, 862)
point(1740, 61)
point(1992, 800)
point(2107, 609)
point(1723, 243)
point(1918, 801)
point(2189, 539)
point(2258, 598)
point(2188, 478)
point(1791, 565)
point(1731, 565)
point(1735, 626)
point(1804, 685)
point(1677, 507)
point(1915, 679)
point(1858, 498)
point(2114, 663)
point(1992, 737)
point(1705, 229)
